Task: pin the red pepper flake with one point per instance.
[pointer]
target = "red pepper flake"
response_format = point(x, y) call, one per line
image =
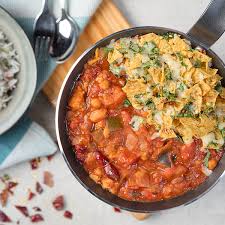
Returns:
point(58, 203)
point(48, 179)
point(11, 185)
point(34, 163)
point(68, 214)
point(117, 210)
point(36, 218)
point(37, 209)
point(50, 157)
point(23, 210)
point(39, 188)
point(4, 218)
point(4, 195)
point(30, 194)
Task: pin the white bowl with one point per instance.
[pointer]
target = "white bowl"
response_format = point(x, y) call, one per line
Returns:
point(27, 77)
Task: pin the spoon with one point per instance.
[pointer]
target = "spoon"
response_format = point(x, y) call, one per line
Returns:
point(66, 36)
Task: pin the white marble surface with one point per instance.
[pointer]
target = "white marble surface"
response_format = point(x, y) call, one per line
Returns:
point(209, 210)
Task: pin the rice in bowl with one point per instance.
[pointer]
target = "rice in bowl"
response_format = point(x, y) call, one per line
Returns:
point(9, 68)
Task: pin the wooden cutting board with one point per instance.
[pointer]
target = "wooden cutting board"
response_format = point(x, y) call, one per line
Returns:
point(106, 20)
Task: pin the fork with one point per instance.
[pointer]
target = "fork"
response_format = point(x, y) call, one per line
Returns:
point(44, 32)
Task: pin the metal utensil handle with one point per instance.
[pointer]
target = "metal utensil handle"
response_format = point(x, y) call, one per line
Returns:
point(64, 4)
point(45, 5)
point(211, 25)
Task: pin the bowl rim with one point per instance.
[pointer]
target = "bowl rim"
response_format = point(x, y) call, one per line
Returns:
point(32, 64)
point(135, 206)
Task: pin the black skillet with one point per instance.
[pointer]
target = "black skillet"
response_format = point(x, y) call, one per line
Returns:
point(204, 33)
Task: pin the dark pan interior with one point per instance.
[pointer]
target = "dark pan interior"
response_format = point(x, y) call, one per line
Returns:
point(78, 170)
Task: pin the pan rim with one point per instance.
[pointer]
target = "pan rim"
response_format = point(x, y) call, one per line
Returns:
point(142, 207)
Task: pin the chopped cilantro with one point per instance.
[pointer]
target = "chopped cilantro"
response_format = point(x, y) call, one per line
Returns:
point(155, 50)
point(206, 159)
point(123, 50)
point(213, 145)
point(135, 47)
point(188, 106)
point(116, 70)
point(197, 63)
point(168, 75)
point(107, 50)
point(182, 87)
point(150, 104)
point(186, 111)
point(152, 63)
point(168, 95)
point(183, 64)
point(223, 132)
point(218, 87)
point(208, 110)
point(138, 95)
point(125, 43)
point(187, 115)
point(168, 35)
point(181, 58)
point(126, 103)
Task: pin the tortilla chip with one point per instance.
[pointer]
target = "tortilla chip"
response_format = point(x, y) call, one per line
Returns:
point(150, 37)
point(113, 56)
point(133, 88)
point(188, 77)
point(157, 75)
point(185, 132)
point(178, 44)
point(201, 56)
point(199, 126)
point(213, 80)
point(204, 87)
point(210, 98)
point(164, 47)
point(167, 133)
point(136, 61)
point(159, 103)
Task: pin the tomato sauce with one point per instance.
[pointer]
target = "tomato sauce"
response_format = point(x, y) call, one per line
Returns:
point(127, 162)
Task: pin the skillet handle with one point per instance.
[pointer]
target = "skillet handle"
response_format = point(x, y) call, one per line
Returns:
point(211, 25)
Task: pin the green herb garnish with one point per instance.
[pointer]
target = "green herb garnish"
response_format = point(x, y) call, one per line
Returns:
point(206, 159)
point(218, 87)
point(150, 104)
point(116, 70)
point(208, 110)
point(107, 50)
point(168, 95)
point(181, 58)
point(6, 177)
point(213, 145)
point(223, 132)
point(182, 87)
point(152, 63)
point(187, 115)
point(168, 74)
point(135, 47)
point(168, 36)
point(126, 103)
point(197, 63)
